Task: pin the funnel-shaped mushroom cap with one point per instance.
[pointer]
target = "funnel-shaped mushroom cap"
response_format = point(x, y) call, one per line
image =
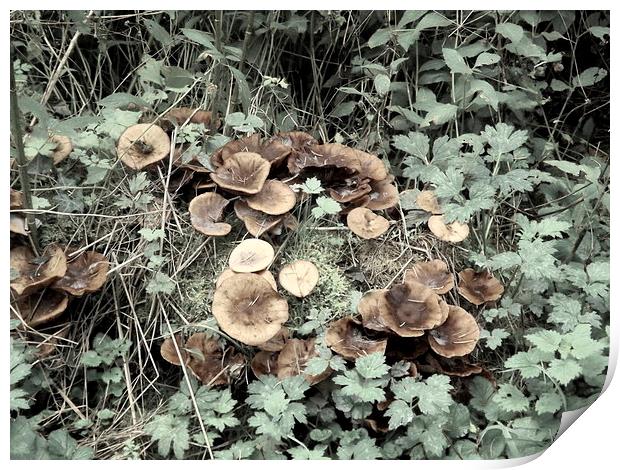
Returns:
point(454, 232)
point(427, 201)
point(383, 195)
point(63, 148)
point(264, 363)
point(169, 352)
point(480, 287)
point(230, 273)
point(206, 212)
point(195, 116)
point(346, 337)
point(271, 150)
point(242, 172)
point(34, 273)
point(256, 222)
point(366, 224)
point(456, 366)
point(354, 189)
point(433, 274)
point(276, 343)
point(294, 358)
point(294, 139)
point(209, 363)
point(250, 256)
point(457, 336)
point(40, 308)
point(299, 277)
point(276, 198)
point(375, 310)
point(414, 306)
point(85, 274)
point(142, 145)
point(248, 309)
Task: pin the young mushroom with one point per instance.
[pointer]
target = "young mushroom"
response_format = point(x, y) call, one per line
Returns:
point(142, 145)
point(457, 336)
point(479, 287)
point(276, 198)
point(366, 224)
point(30, 273)
point(85, 274)
point(433, 274)
point(271, 150)
point(299, 277)
point(383, 195)
point(346, 337)
point(265, 363)
point(250, 256)
point(169, 352)
point(243, 173)
point(454, 232)
point(206, 212)
point(276, 343)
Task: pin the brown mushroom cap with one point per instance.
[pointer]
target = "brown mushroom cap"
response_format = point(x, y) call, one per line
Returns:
point(250, 256)
point(480, 287)
point(51, 340)
point(427, 201)
point(85, 274)
point(169, 352)
point(256, 222)
point(230, 273)
point(455, 366)
point(353, 189)
point(402, 348)
point(374, 309)
point(248, 309)
point(40, 308)
point(206, 212)
point(346, 337)
point(195, 116)
point(63, 148)
point(294, 357)
point(264, 363)
point(271, 150)
point(454, 232)
point(142, 145)
point(242, 172)
point(383, 195)
point(34, 273)
point(209, 363)
point(276, 343)
point(414, 306)
point(295, 139)
point(276, 198)
point(17, 199)
point(433, 274)
point(17, 224)
point(299, 277)
point(457, 336)
point(366, 224)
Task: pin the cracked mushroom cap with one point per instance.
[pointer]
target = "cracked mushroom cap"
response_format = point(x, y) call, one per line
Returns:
point(454, 232)
point(230, 273)
point(271, 150)
point(276, 343)
point(479, 287)
point(294, 358)
point(248, 309)
point(276, 198)
point(209, 362)
point(242, 172)
point(383, 195)
point(415, 306)
point(427, 201)
point(169, 352)
point(375, 310)
point(41, 308)
point(346, 337)
point(457, 336)
point(265, 363)
point(250, 256)
point(142, 145)
point(256, 222)
point(299, 277)
point(433, 274)
point(63, 148)
point(366, 224)
point(85, 274)
point(206, 212)
point(33, 273)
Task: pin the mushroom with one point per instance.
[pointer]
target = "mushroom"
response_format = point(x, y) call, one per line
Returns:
point(41, 308)
point(256, 222)
point(195, 116)
point(375, 310)
point(229, 273)
point(51, 340)
point(17, 199)
point(354, 189)
point(242, 172)
point(454, 232)
point(248, 309)
point(85, 274)
point(295, 140)
point(479, 287)
point(276, 343)
point(250, 256)
point(272, 150)
point(18, 222)
point(33, 273)
point(206, 212)
point(299, 277)
point(63, 148)
point(142, 145)
point(400, 348)
point(294, 357)
point(383, 194)
point(169, 352)
point(366, 224)
point(427, 201)
point(455, 366)
point(457, 336)
point(433, 274)
point(414, 306)
point(264, 363)
point(346, 337)
point(276, 198)
point(209, 362)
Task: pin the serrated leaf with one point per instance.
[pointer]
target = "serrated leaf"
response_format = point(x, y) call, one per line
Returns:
point(546, 340)
point(400, 414)
point(510, 398)
point(511, 31)
point(548, 402)
point(564, 370)
point(371, 366)
point(382, 84)
point(486, 58)
point(456, 62)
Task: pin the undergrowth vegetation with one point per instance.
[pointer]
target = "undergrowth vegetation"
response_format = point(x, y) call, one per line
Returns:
point(504, 115)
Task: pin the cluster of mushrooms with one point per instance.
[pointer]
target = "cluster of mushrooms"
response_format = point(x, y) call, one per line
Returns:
point(454, 232)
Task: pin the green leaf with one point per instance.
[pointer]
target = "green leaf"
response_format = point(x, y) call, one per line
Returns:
point(371, 366)
point(548, 402)
point(379, 38)
point(510, 398)
point(400, 414)
point(169, 430)
point(235, 119)
point(382, 84)
point(158, 32)
point(456, 62)
point(201, 37)
point(511, 31)
point(547, 341)
point(414, 143)
point(326, 205)
point(526, 362)
point(566, 167)
point(589, 77)
point(344, 109)
point(564, 370)
point(486, 58)
point(160, 284)
point(495, 339)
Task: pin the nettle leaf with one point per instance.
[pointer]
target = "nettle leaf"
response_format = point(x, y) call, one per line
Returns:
point(510, 398)
point(547, 341)
point(400, 414)
point(486, 58)
point(372, 366)
point(510, 31)
point(548, 402)
point(456, 62)
point(581, 343)
point(589, 77)
point(526, 362)
point(564, 370)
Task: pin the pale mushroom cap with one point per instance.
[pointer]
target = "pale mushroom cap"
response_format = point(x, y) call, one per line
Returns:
point(230, 273)
point(374, 309)
point(250, 256)
point(242, 172)
point(256, 222)
point(248, 309)
point(479, 288)
point(299, 277)
point(18, 224)
point(454, 232)
point(40, 308)
point(142, 145)
point(275, 198)
point(271, 150)
point(366, 224)
point(426, 200)
point(35, 273)
point(63, 148)
point(433, 274)
point(457, 336)
point(346, 337)
point(206, 212)
point(85, 274)
point(383, 195)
